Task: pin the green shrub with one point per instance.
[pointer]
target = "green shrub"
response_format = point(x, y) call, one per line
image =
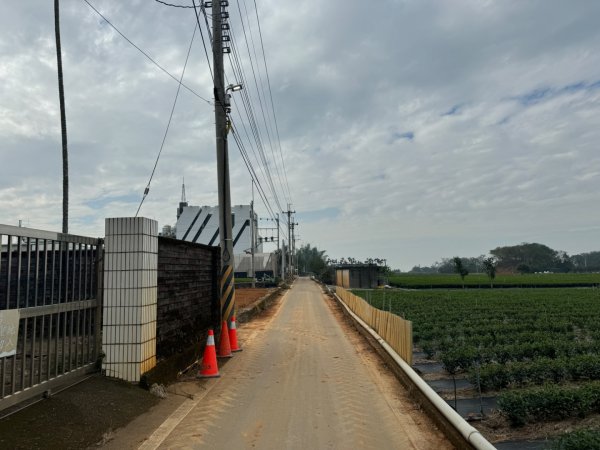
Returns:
point(494, 376)
point(550, 402)
point(459, 358)
point(578, 440)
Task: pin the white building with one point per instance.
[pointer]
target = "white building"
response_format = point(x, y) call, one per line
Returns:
point(200, 224)
point(265, 264)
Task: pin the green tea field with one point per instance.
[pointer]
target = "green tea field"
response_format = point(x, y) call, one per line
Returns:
point(536, 350)
point(480, 280)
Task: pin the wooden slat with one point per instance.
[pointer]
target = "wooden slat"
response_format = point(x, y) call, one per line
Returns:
point(396, 331)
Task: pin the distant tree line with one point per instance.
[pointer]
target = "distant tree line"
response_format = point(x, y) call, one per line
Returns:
point(311, 261)
point(522, 258)
point(351, 260)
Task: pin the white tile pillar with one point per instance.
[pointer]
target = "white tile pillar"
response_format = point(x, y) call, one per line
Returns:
point(130, 289)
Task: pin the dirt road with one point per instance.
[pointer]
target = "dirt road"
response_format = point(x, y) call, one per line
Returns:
point(300, 383)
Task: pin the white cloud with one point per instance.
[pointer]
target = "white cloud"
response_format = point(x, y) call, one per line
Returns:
point(411, 130)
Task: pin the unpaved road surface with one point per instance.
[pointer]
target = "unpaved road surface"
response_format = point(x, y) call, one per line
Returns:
point(300, 383)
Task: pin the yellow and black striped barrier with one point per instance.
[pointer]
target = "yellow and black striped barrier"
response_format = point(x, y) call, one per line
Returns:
point(227, 293)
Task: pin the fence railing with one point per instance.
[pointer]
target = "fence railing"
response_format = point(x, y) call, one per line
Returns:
point(49, 309)
point(396, 331)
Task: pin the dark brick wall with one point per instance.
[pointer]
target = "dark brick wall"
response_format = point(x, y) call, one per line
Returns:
point(188, 300)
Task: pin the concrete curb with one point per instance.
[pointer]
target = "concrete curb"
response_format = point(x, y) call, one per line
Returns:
point(247, 313)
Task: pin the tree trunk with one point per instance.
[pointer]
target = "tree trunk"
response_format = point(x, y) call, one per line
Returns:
point(63, 121)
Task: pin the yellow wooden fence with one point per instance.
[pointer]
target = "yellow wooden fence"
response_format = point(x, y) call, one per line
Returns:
point(396, 331)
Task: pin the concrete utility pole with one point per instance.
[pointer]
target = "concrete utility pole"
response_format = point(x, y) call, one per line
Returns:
point(227, 293)
point(252, 239)
point(283, 268)
point(289, 214)
point(277, 220)
point(293, 252)
point(297, 260)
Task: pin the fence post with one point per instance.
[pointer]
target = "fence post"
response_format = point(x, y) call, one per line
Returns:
point(130, 293)
point(99, 298)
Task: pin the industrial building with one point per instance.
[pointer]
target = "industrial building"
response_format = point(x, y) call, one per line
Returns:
point(265, 265)
point(200, 224)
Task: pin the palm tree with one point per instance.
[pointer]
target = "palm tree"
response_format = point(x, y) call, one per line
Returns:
point(63, 121)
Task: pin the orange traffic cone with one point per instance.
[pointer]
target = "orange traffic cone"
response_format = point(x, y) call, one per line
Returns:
point(209, 361)
point(224, 345)
point(233, 336)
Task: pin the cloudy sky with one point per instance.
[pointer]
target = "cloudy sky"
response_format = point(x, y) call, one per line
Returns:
point(410, 130)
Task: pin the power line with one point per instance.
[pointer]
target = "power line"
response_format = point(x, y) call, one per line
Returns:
point(258, 91)
point(145, 54)
point(238, 141)
point(239, 75)
point(244, 152)
point(248, 136)
point(239, 71)
point(246, 100)
point(252, 171)
point(253, 174)
point(174, 6)
point(236, 65)
point(147, 190)
point(202, 35)
point(205, 14)
point(248, 107)
point(272, 104)
point(252, 121)
point(248, 162)
point(287, 195)
point(241, 147)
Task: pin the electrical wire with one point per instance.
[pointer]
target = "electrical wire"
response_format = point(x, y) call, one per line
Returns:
point(237, 139)
point(286, 194)
point(249, 165)
point(144, 53)
point(258, 91)
point(247, 106)
point(147, 190)
point(250, 168)
point(253, 125)
point(234, 58)
point(202, 35)
point(244, 153)
point(247, 103)
point(272, 104)
point(174, 6)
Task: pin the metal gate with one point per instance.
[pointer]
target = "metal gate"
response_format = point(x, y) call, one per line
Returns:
point(49, 307)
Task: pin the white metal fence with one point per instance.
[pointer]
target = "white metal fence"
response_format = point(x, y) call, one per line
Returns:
point(49, 310)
